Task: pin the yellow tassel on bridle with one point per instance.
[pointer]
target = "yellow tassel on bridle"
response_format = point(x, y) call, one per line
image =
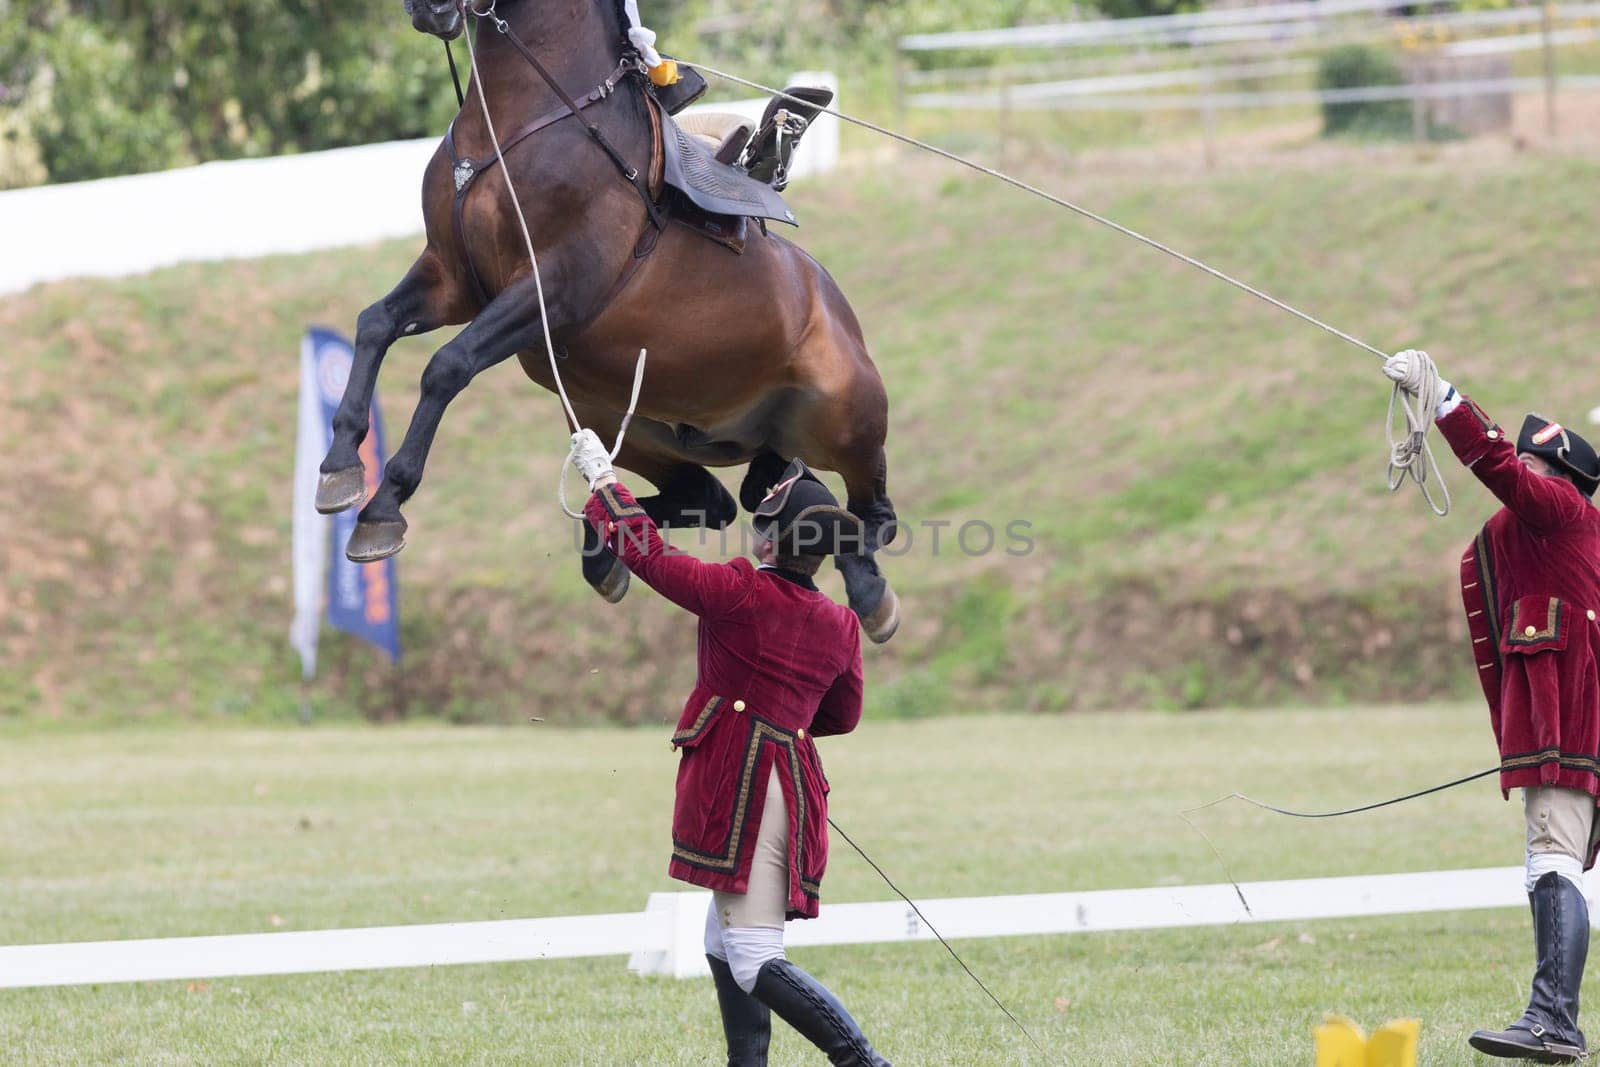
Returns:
point(665, 73)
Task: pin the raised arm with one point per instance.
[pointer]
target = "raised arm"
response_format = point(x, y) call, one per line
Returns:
point(1485, 449)
point(706, 589)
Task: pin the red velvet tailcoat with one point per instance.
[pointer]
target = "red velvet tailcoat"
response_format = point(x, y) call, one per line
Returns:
point(779, 664)
point(1531, 585)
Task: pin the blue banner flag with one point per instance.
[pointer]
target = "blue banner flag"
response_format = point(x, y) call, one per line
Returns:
point(362, 598)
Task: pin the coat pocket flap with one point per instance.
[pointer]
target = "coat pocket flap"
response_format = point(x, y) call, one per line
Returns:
point(693, 724)
point(1537, 624)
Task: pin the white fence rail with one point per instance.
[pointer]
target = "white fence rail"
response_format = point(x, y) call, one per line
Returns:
point(666, 938)
point(246, 208)
point(1457, 70)
point(1101, 31)
point(1266, 98)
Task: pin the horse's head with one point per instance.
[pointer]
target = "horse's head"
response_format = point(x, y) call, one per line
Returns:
point(441, 18)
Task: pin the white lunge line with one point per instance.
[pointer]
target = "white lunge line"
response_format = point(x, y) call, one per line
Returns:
point(661, 941)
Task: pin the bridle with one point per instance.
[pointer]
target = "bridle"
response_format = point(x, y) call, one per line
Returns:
point(631, 64)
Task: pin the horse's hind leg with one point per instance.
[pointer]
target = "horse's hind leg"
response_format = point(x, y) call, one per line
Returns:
point(690, 496)
point(509, 323)
point(869, 592)
point(423, 301)
point(764, 472)
point(845, 432)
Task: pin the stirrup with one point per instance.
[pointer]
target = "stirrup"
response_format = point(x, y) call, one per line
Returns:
point(766, 158)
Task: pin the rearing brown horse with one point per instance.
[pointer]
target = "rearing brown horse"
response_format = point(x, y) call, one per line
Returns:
point(754, 357)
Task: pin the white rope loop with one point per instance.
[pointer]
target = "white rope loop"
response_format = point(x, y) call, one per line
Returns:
point(1406, 456)
point(1410, 456)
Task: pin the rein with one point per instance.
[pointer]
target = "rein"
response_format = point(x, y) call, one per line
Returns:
point(538, 280)
point(455, 76)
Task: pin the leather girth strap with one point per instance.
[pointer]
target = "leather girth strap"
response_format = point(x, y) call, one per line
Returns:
point(464, 171)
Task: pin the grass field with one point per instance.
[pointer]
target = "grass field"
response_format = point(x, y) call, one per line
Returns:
point(177, 831)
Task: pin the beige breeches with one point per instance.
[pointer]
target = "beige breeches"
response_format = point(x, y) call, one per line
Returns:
point(766, 903)
point(1561, 825)
point(1559, 820)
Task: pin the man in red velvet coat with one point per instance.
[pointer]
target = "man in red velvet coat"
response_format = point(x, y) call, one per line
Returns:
point(780, 664)
point(1530, 582)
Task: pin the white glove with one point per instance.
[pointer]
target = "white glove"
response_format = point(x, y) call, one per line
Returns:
point(1398, 367)
point(592, 459)
point(1405, 369)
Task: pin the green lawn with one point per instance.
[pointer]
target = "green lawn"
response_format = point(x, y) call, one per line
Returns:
point(180, 831)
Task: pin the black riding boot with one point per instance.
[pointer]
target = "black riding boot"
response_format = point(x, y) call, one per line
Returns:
point(1548, 1031)
point(802, 1002)
point(746, 1022)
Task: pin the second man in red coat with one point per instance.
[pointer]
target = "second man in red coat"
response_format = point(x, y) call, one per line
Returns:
point(1530, 583)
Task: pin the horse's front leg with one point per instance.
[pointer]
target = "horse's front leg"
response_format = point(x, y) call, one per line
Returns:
point(508, 324)
point(424, 300)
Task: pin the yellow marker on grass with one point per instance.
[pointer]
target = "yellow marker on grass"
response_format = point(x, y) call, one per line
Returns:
point(1341, 1043)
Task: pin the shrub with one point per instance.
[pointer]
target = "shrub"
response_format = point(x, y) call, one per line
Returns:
point(1356, 66)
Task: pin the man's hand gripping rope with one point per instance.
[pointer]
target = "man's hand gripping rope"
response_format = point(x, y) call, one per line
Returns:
point(1422, 396)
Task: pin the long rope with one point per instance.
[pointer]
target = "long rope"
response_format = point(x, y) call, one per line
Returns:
point(1418, 461)
point(1052, 198)
point(1345, 811)
point(538, 284)
point(924, 919)
point(1223, 863)
point(522, 221)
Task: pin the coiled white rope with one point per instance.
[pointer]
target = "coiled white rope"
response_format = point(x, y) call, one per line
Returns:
point(1410, 456)
point(538, 285)
point(1414, 457)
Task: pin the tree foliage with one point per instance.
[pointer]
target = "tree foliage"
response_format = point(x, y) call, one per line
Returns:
point(115, 86)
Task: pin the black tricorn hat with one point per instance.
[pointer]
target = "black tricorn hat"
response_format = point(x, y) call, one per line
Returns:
point(804, 518)
point(1562, 449)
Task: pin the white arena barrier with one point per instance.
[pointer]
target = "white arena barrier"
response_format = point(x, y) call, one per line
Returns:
point(241, 209)
point(667, 937)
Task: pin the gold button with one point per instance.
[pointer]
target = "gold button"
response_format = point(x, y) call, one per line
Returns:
point(738, 705)
point(801, 733)
point(1591, 615)
point(1529, 632)
point(1493, 435)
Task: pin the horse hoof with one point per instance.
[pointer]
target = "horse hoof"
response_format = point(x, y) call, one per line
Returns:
point(373, 541)
point(341, 489)
point(882, 621)
point(614, 586)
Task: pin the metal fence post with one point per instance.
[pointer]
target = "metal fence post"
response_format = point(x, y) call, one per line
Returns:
point(1419, 104)
point(1005, 119)
point(1547, 29)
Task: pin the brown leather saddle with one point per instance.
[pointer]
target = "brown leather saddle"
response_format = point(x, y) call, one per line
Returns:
point(714, 190)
